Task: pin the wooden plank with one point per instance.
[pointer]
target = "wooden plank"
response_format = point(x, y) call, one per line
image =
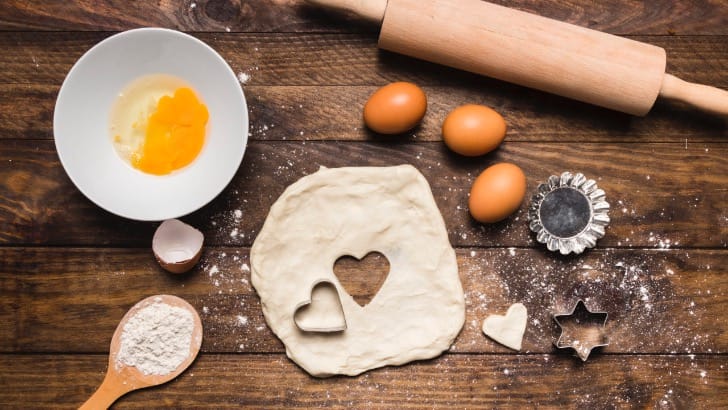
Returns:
point(185, 15)
point(453, 381)
point(26, 110)
point(614, 16)
point(662, 195)
point(70, 300)
point(310, 113)
point(69, 270)
point(322, 59)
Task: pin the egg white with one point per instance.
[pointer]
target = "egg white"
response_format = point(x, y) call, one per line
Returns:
point(132, 108)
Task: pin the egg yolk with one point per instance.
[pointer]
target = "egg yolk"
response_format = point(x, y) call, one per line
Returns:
point(175, 134)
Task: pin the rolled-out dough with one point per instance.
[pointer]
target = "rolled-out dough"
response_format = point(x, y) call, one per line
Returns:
point(420, 307)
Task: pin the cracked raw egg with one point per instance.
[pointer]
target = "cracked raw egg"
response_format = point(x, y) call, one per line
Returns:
point(158, 124)
point(177, 246)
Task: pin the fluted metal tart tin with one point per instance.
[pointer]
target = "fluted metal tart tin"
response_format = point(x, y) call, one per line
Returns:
point(568, 213)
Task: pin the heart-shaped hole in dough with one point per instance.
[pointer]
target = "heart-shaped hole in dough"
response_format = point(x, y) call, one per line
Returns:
point(362, 278)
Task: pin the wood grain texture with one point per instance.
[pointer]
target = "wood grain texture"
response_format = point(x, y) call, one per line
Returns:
point(318, 110)
point(334, 113)
point(526, 49)
point(614, 16)
point(322, 59)
point(452, 381)
point(71, 300)
point(662, 195)
point(69, 270)
point(185, 15)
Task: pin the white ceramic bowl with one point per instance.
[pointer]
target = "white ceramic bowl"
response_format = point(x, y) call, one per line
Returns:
point(81, 121)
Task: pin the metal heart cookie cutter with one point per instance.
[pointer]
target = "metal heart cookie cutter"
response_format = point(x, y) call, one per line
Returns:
point(581, 330)
point(323, 312)
point(568, 213)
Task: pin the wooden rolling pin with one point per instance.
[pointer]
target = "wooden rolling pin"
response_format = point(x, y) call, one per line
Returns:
point(533, 51)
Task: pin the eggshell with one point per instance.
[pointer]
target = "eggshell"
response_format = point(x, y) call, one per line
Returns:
point(473, 130)
point(497, 192)
point(177, 246)
point(395, 108)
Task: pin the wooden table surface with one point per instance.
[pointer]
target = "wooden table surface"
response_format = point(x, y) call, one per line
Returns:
point(69, 270)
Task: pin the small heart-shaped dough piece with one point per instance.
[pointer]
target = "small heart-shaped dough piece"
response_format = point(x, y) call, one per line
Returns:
point(507, 330)
point(323, 312)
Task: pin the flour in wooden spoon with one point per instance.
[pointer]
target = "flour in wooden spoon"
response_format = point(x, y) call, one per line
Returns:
point(157, 339)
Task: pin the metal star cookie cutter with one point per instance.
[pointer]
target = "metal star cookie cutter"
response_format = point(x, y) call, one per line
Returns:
point(568, 213)
point(324, 320)
point(587, 337)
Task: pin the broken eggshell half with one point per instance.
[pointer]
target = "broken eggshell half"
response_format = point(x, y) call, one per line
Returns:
point(177, 246)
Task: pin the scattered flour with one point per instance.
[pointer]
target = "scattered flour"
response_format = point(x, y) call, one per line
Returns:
point(213, 270)
point(243, 77)
point(157, 339)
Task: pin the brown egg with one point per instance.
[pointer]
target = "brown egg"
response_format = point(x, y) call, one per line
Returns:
point(177, 246)
point(497, 192)
point(473, 130)
point(395, 108)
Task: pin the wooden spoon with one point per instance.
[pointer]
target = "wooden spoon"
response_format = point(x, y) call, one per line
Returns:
point(121, 379)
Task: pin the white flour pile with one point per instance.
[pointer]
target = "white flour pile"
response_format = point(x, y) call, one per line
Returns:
point(157, 339)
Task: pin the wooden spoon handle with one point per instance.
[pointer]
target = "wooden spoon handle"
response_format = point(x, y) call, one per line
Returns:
point(700, 96)
point(110, 390)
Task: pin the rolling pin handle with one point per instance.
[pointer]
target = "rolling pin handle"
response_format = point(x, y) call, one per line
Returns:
point(700, 96)
point(371, 10)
